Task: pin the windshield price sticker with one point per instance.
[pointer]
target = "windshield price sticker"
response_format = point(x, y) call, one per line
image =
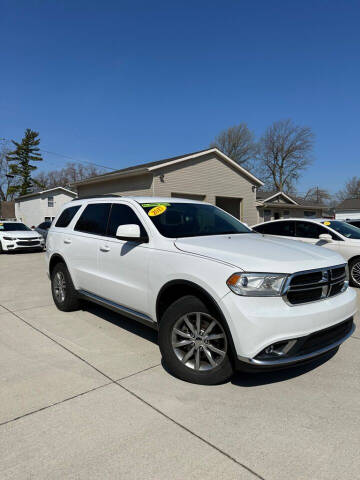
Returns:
point(327, 223)
point(158, 210)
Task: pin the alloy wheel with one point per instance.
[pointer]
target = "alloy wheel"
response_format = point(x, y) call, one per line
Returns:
point(60, 287)
point(355, 273)
point(199, 341)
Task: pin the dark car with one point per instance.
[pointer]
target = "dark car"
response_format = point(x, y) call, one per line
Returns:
point(43, 228)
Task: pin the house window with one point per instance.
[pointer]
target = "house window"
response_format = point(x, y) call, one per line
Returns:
point(267, 215)
point(50, 201)
point(310, 213)
point(286, 214)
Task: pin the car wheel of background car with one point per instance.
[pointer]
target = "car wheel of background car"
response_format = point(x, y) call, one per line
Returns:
point(354, 271)
point(64, 294)
point(1, 249)
point(194, 343)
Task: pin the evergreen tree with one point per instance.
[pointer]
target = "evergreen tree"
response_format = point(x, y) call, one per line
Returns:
point(19, 160)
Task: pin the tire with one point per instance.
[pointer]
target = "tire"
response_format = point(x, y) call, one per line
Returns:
point(63, 291)
point(1, 249)
point(354, 272)
point(198, 359)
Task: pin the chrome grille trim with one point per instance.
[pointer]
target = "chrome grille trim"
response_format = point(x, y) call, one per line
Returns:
point(329, 278)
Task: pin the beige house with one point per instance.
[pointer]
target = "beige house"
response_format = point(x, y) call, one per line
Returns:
point(275, 205)
point(207, 175)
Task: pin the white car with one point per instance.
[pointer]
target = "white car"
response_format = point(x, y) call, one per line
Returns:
point(335, 235)
point(221, 296)
point(15, 236)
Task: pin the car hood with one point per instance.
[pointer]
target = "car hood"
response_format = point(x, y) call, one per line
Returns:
point(260, 253)
point(19, 234)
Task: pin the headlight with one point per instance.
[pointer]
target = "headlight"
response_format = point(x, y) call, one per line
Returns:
point(9, 238)
point(257, 284)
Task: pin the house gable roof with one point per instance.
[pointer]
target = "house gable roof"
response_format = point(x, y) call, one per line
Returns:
point(35, 194)
point(153, 166)
point(271, 197)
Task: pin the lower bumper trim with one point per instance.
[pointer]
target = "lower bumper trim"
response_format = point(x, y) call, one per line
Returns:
point(297, 358)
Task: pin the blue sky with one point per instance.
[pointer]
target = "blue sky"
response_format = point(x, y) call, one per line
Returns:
point(122, 82)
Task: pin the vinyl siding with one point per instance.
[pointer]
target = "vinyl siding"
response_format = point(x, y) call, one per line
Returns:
point(209, 176)
point(33, 210)
point(135, 185)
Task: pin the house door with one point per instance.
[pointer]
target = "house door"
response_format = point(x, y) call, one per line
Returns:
point(231, 205)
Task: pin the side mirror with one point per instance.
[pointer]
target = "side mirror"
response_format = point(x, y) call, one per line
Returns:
point(130, 232)
point(326, 237)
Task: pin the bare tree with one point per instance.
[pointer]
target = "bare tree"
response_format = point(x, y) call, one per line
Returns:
point(351, 189)
point(284, 152)
point(237, 143)
point(64, 177)
point(6, 179)
point(317, 195)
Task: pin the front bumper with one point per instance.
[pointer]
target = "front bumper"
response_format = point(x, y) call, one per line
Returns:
point(22, 244)
point(328, 341)
point(257, 323)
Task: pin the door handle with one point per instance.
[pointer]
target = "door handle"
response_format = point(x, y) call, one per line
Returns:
point(104, 248)
point(67, 240)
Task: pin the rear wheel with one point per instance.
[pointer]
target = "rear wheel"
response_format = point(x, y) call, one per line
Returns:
point(354, 272)
point(194, 343)
point(63, 291)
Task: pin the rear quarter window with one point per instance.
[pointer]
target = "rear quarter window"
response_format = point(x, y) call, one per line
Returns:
point(66, 216)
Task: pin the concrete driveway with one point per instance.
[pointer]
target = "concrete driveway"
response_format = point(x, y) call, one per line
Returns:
point(84, 395)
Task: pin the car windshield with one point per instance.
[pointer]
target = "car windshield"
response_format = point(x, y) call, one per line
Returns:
point(345, 229)
point(174, 220)
point(13, 226)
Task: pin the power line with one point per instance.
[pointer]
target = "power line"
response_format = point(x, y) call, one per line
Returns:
point(74, 159)
point(67, 157)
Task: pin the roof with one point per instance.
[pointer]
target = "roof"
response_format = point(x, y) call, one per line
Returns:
point(267, 196)
point(35, 194)
point(349, 204)
point(312, 220)
point(152, 166)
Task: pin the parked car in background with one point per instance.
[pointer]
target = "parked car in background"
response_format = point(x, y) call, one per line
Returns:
point(43, 229)
point(221, 296)
point(336, 235)
point(355, 222)
point(16, 236)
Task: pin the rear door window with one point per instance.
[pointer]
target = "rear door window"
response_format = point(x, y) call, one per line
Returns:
point(67, 215)
point(285, 229)
point(94, 219)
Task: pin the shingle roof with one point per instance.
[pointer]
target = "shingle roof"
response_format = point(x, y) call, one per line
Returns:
point(144, 167)
point(349, 204)
point(263, 195)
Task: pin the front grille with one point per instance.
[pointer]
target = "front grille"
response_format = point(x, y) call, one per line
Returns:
point(324, 338)
point(314, 285)
point(30, 243)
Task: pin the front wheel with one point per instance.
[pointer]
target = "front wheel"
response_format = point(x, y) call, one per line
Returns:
point(194, 343)
point(354, 272)
point(63, 291)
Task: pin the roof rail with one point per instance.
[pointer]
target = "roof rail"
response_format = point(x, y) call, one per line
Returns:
point(105, 195)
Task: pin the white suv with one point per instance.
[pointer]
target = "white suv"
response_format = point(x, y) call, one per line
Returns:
point(221, 296)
